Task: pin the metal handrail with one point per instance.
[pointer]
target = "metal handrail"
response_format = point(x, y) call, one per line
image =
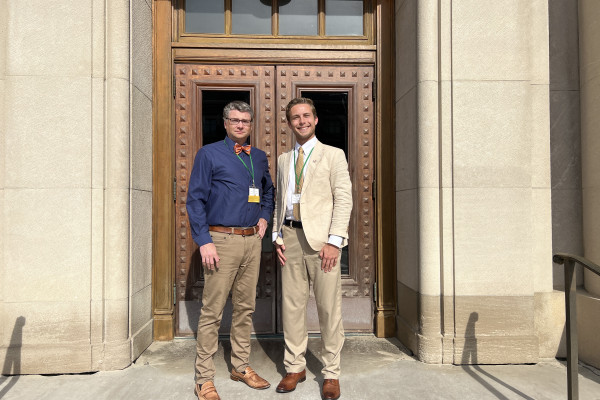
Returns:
point(569, 261)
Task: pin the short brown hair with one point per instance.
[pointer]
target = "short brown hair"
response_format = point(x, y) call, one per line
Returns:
point(300, 100)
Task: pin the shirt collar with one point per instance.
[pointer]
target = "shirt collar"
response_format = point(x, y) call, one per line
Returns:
point(308, 146)
point(230, 143)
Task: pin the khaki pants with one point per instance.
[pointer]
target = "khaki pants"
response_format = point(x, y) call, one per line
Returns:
point(303, 263)
point(238, 272)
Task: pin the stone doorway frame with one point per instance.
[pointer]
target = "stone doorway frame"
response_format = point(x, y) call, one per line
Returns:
point(163, 166)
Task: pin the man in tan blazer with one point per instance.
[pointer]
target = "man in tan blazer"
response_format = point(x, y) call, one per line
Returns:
point(310, 226)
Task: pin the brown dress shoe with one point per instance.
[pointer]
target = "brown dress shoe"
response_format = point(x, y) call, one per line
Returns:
point(250, 378)
point(289, 382)
point(331, 389)
point(207, 391)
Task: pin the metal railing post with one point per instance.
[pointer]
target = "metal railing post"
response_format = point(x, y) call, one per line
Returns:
point(569, 261)
point(571, 309)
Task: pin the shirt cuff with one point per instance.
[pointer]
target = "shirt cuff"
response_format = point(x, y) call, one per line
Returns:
point(335, 240)
point(203, 238)
point(275, 234)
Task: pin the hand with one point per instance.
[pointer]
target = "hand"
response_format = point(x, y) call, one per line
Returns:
point(210, 258)
point(280, 248)
point(262, 227)
point(328, 255)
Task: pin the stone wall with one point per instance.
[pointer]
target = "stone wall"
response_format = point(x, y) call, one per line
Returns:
point(473, 182)
point(3, 23)
point(407, 211)
point(565, 130)
point(75, 209)
point(588, 306)
point(141, 176)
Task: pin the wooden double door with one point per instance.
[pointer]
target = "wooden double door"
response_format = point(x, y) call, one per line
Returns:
point(343, 96)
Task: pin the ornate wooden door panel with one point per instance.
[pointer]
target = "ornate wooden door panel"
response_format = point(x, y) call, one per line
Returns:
point(201, 92)
point(343, 98)
point(353, 86)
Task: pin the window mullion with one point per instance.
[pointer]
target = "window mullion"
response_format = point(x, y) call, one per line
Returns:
point(321, 18)
point(228, 17)
point(275, 18)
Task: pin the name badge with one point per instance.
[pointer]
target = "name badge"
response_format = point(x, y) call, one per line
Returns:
point(296, 198)
point(253, 195)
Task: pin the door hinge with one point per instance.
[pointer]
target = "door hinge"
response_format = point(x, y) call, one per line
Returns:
point(375, 292)
point(174, 294)
point(174, 190)
point(373, 90)
point(373, 188)
point(174, 85)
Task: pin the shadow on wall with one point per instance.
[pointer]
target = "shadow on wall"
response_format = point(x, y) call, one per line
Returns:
point(469, 361)
point(12, 363)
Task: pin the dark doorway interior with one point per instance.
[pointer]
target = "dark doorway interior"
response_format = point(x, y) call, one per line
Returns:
point(213, 102)
point(332, 111)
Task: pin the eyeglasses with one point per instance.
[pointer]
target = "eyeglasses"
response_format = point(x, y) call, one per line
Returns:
point(235, 121)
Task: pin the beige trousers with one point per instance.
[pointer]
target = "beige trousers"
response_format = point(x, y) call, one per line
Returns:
point(238, 272)
point(303, 264)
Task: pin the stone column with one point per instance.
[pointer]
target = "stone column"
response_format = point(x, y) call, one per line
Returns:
point(3, 22)
point(474, 217)
point(75, 186)
point(45, 264)
point(141, 176)
point(589, 81)
point(116, 185)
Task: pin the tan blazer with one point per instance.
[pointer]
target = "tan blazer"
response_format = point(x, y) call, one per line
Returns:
point(326, 200)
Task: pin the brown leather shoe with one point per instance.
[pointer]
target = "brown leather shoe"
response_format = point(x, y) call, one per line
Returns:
point(289, 382)
point(250, 378)
point(331, 389)
point(207, 391)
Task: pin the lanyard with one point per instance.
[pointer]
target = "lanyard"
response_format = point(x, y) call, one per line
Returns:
point(303, 165)
point(251, 164)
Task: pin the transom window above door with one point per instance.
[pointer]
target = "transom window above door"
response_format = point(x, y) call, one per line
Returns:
point(277, 19)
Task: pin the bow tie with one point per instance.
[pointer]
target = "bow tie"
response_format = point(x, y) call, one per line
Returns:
point(238, 149)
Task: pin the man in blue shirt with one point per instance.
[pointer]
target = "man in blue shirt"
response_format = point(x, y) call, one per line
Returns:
point(230, 201)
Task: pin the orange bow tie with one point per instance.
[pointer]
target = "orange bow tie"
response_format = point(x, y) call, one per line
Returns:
point(238, 149)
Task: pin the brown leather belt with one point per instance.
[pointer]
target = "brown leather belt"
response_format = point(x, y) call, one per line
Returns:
point(236, 231)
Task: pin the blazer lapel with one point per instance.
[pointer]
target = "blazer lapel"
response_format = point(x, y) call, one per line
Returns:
point(286, 170)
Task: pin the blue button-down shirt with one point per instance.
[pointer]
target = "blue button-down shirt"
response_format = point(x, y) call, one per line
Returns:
point(219, 188)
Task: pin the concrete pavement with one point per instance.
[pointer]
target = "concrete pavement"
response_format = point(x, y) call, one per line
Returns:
point(371, 369)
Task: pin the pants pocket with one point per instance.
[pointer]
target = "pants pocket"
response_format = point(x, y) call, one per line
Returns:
point(219, 237)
